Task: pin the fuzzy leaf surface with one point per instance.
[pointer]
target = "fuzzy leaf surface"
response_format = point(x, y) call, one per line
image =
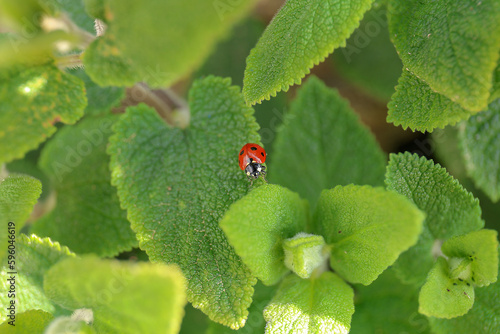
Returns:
point(34, 256)
point(301, 35)
point(257, 225)
point(87, 204)
point(106, 64)
point(480, 250)
point(453, 46)
point(322, 143)
point(442, 296)
point(176, 185)
point(450, 209)
point(485, 314)
point(32, 100)
point(417, 106)
point(367, 229)
point(480, 144)
point(18, 194)
point(321, 305)
point(83, 282)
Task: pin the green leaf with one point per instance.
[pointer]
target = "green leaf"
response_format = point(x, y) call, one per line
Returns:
point(106, 65)
point(483, 316)
point(480, 143)
point(321, 305)
point(304, 253)
point(32, 99)
point(29, 166)
point(117, 293)
point(301, 35)
point(87, 204)
point(176, 185)
point(29, 322)
point(34, 256)
point(453, 46)
point(255, 323)
point(367, 228)
point(369, 59)
point(387, 306)
point(322, 143)
point(100, 99)
point(450, 209)
point(442, 296)
point(417, 106)
point(478, 251)
point(183, 34)
point(18, 196)
point(257, 225)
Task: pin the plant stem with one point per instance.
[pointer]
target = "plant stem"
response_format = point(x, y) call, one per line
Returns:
point(84, 37)
point(69, 61)
point(64, 23)
point(172, 108)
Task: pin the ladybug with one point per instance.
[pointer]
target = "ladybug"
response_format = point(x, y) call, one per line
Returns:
point(251, 158)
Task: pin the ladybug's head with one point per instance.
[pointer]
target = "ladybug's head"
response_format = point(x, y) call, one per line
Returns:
point(254, 170)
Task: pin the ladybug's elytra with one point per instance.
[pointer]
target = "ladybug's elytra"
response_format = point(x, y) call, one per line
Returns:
point(251, 158)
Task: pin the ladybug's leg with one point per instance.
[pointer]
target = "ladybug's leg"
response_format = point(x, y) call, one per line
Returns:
point(250, 178)
point(263, 174)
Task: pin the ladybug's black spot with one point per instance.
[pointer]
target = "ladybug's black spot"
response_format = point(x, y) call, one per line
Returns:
point(251, 160)
point(241, 153)
point(262, 153)
point(253, 148)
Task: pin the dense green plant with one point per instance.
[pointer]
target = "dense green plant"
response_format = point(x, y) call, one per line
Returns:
point(142, 221)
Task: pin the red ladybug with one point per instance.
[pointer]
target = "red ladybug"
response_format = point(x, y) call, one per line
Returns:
point(251, 158)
